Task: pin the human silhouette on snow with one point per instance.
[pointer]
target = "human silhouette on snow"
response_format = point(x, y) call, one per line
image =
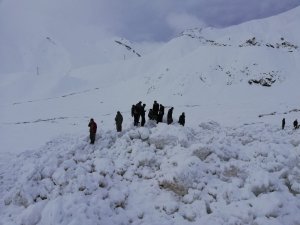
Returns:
point(181, 120)
point(143, 121)
point(155, 110)
point(295, 124)
point(169, 116)
point(150, 114)
point(93, 130)
point(160, 113)
point(119, 121)
point(283, 123)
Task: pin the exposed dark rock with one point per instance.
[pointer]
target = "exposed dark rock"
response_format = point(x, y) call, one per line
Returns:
point(128, 48)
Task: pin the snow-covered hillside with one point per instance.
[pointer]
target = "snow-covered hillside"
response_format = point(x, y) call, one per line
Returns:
point(165, 174)
point(212, 74)
point(240, 169)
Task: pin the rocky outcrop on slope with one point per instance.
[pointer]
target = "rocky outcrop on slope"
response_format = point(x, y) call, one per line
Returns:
point(129, 48)
point(280, 44)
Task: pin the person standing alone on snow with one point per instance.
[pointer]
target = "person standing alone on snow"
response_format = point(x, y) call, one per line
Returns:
point(283, 123)
point(119, 121)
point(93, 130)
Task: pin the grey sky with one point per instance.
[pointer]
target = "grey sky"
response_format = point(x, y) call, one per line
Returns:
point(162, 19)
point(137, 20)
point(80, 23)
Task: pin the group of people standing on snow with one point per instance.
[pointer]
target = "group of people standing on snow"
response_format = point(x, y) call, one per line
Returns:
point(93, 126)
point(138, 113)
point(295, 124)
point(156, 113)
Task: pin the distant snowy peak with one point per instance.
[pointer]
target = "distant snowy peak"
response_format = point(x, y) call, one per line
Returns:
point(279, 32)
point(127, 45)
point(196, 34)
point(281, 43)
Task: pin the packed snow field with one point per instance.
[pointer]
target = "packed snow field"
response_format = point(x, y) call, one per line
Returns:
point(158, 174)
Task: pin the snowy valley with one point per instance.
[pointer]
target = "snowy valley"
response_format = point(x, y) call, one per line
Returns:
point(230, 164)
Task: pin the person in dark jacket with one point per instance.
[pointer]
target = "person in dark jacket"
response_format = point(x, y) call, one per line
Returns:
point(160, 113)
point(181, 120)
point(132, 110)
point(155, 110)
point(169, 116)
point(119, 121)
point(93, 130)
point(295, 124)
point(143, 121)
point(150, 114)
point(283, 123)
point(137, 113)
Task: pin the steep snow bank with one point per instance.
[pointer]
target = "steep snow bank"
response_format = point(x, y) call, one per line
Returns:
point(159, 175)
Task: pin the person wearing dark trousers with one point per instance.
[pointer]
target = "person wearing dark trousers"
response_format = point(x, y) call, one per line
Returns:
point(155, 110)
point(160, 113)
point(283, 123)
point(169, 116)
point(181, 120)
point(150, 114)
point(132, 110)
point(135, 118)
point(143, 121)
point(295, 123)
point(137, 113)
point(119, 121)
point(93, 130)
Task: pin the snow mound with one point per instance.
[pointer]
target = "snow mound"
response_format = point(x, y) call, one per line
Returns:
point(167, 174)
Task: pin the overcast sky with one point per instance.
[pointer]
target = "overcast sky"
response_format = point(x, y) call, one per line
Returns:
point(76, 23)
point(137, 20)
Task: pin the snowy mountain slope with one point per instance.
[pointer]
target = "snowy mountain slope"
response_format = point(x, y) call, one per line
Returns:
point(269, 29)
point(49, 66)
point(158, 175)
point(209, 81)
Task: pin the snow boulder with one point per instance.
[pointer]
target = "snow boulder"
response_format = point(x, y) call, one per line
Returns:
point(104, 166)
point(212, 125)
point(201, 151)
point(144, 133)
point(164, 135)
point(139, 133)
point(32, 214)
